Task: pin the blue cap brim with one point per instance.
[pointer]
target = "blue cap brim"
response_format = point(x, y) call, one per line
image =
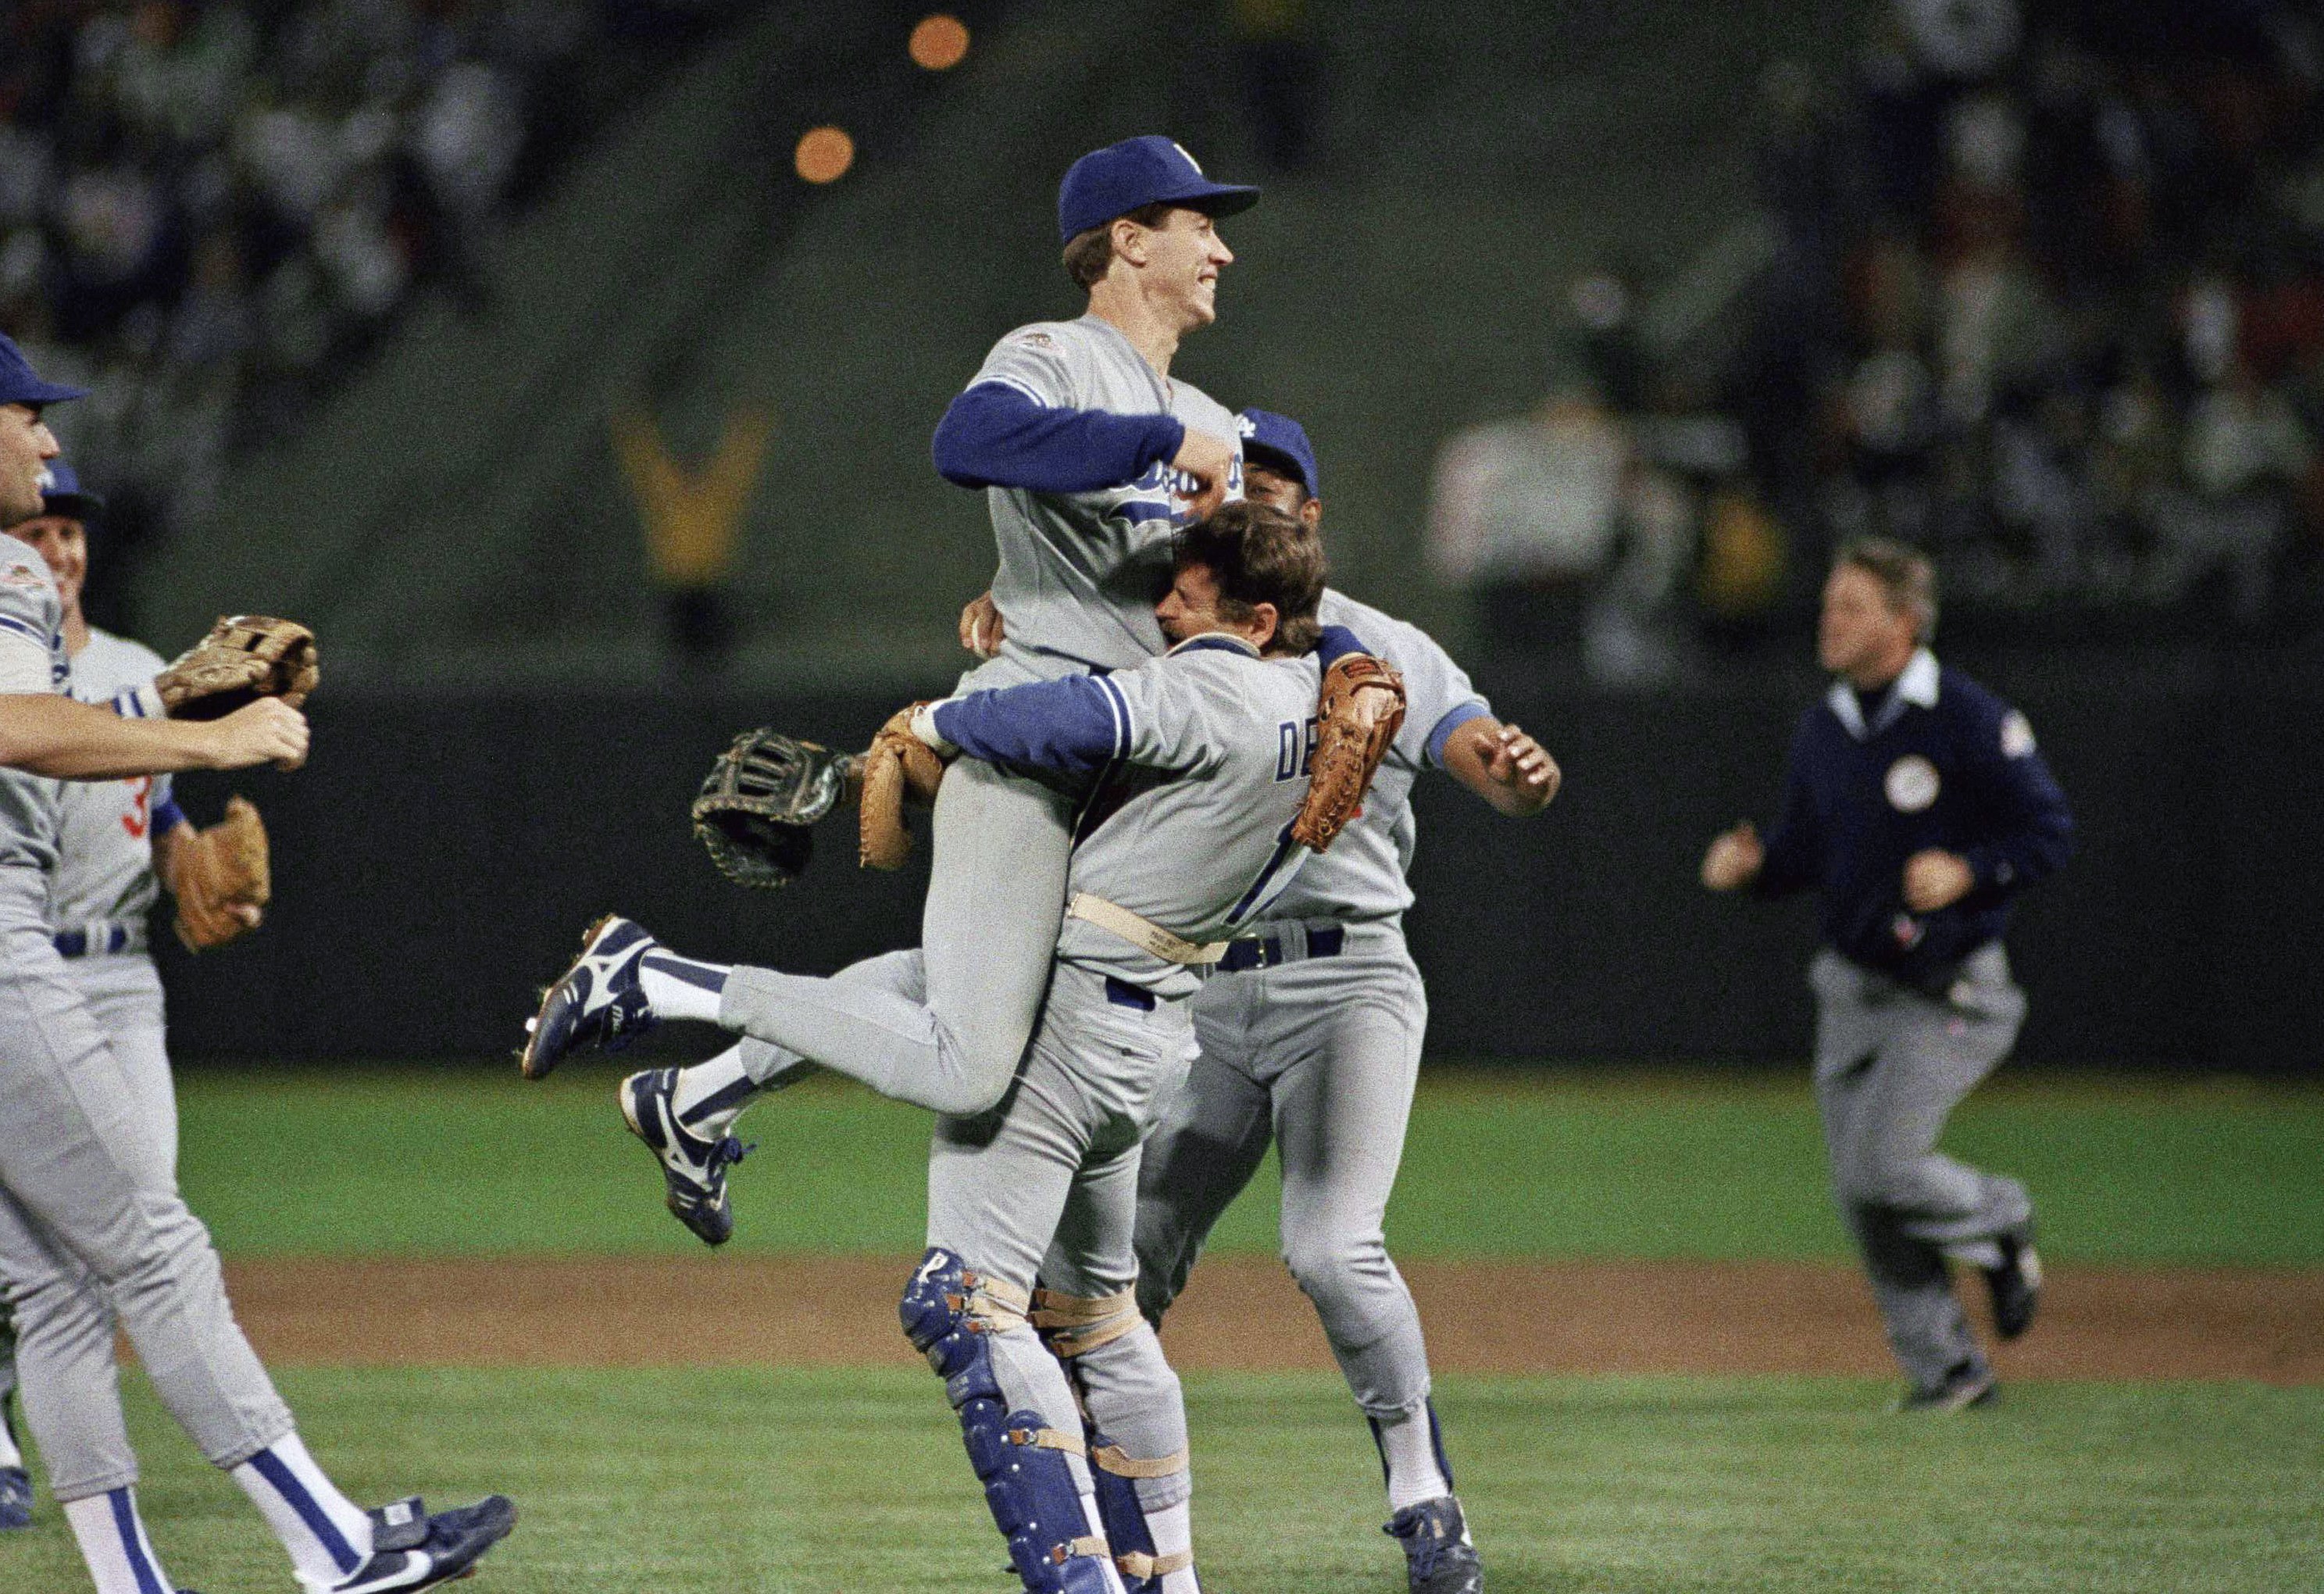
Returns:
point(1215, 198)
point(37, 392)
point(79, 507)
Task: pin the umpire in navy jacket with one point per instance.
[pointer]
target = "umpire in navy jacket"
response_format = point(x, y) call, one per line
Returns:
point(1917, 804)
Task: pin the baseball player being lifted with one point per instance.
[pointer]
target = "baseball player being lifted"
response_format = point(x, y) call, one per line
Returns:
point(1089, 453)
point(1311, 1033)
point(1917, 804)
point(89, 1211)
point(1191, 769)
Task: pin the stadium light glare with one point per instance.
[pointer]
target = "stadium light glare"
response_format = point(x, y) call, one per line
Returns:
point(939, 42)
point(825, 155)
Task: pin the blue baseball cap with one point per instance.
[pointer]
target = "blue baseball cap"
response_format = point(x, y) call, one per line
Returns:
point(62, 493)
point(20, 385)
point(1136, 173)
point(1266, 432)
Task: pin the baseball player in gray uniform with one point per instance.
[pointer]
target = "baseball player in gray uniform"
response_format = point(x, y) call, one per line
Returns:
point(1089, 453)
point(1190, 769)
point(1310, 1034)
point(88, 1203)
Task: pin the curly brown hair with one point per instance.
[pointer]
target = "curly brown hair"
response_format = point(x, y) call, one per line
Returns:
point(1259, 554)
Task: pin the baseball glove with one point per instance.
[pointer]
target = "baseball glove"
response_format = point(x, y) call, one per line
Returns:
point(215, 871)
point(900, 768)
point(758, 803)
point(1347, 751)
point(244, 658)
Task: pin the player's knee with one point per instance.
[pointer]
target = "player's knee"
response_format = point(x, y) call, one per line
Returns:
point(1333, 1264)
point(950, 1314)
point(60, 1307)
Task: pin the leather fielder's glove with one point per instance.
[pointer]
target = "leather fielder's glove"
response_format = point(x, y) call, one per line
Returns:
point(759, 800)
point(1346, 753)
point(900, 768)
point(212, 871)
point(244, 658)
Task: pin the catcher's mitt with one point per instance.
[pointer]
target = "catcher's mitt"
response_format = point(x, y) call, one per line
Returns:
point(215, 871)
point(900, 768)
point(1346, 752)
point(758, 801)
point(244, 658)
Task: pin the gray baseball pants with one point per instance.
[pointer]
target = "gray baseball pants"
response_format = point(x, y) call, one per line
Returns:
point(124, 993)
point(1891, 1064)
point(1044, 1189)
point(1320, 1056)
point(944, 1033)
point(89, 1213)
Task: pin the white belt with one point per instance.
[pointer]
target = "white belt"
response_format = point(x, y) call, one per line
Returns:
point(1141, 932)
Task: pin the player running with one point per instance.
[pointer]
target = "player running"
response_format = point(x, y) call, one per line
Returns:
point(1190, 768)
point(1917, 804)
point(89, 1210)
point(1311, 1032)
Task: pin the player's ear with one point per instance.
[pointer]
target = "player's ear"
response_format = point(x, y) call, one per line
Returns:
point(1265, 617)
point(1310, 512)
point(1130, 240)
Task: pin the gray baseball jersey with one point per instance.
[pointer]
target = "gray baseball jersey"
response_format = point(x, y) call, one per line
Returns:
point(1080, 573)
point(32, 660)
point(1362, 876)
point(105, 830)
point(1190, 828)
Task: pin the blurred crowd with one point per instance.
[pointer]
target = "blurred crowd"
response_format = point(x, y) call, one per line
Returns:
point(2043, 293)
point(207, 206)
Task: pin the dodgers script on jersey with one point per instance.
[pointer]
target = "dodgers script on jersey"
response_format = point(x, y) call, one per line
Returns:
point(32, 660)
point(105, 828)
point(1362, 876)
point(1080, 573)
point(1190, 827)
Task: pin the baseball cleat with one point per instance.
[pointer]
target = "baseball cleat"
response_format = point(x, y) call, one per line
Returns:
point(16, 1499)
point(693, 1169)
point(1966, 1385)
point(411, 1550)
point(2015, 1282)
point(598, 1002)
point(1438, 1556)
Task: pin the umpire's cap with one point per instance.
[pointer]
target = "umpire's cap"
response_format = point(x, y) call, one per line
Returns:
point(62, 493)
point(1284, 442)
point(20, 385)
point(1136, 173)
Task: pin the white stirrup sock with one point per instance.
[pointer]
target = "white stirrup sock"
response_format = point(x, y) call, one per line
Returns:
point(1173, 1528)
point(10, 1456)
point(711, 1095)
point(680, 987)
point(112, 1539)
point(1407, 1447)
point(326, 1534)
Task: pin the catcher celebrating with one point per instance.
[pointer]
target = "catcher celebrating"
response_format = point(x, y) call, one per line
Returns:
point(1193, 769)
point(92, 1226)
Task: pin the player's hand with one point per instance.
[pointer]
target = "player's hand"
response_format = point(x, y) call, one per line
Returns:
point(981, 631)
point(1735, 859)
point(1935, 879)
point(1525, 766)
point(267, 731)
point(1209, 459)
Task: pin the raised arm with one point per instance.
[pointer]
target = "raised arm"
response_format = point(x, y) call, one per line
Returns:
point(55, 737)
point(1500, 763)
point(996, 434)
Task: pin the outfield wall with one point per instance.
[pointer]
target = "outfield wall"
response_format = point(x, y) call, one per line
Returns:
point(437, 859)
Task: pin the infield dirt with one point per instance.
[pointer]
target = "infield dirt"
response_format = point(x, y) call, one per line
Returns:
point(1242, 1313)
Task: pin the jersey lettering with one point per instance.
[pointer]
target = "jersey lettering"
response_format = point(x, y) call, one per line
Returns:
point(1295, 749)
point(139, 819)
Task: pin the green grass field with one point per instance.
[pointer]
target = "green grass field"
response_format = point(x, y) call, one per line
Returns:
point(788, 1479)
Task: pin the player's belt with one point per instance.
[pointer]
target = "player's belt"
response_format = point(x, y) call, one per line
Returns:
point(99, 937)
point(1291, 944)
point(1142, 932)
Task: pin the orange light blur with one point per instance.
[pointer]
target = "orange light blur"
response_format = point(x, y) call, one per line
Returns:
point(825, 155)
point(939, 42)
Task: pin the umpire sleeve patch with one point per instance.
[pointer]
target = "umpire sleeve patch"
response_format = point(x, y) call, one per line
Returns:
point(2016, 736)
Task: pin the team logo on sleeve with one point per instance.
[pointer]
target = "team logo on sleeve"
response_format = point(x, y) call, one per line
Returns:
point(21, 575)
point(2016, 736)
point(1912, 783)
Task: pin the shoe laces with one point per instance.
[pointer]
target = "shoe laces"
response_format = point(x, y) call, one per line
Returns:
point(1426, 1539)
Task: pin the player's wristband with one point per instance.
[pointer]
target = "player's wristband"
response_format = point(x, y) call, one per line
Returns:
point(140, 702)
point(924, 725)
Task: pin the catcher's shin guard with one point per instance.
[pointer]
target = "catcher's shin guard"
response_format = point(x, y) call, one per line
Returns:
point(948, 1312)
point(1075, 1326)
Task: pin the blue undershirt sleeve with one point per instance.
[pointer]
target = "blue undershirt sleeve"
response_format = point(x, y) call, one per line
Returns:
point(995, 435)
point(1074, 725)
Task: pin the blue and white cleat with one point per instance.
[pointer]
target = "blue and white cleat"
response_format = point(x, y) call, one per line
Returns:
point(16, 1499)
point(1439, 1556)
point(598, 1002)
point(693, 1169)
point(411, 1550)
